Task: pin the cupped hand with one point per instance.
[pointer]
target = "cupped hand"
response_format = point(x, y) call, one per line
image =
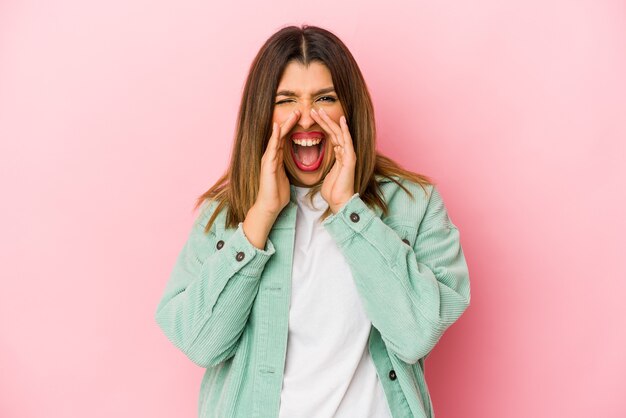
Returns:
point(338, 185)
point(274, 191)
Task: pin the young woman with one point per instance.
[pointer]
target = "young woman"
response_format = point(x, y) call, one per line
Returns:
point(319, 274)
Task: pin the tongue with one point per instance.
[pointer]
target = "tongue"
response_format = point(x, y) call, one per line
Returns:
point(307, 155)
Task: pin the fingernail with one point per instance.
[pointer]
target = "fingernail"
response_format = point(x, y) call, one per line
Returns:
point(313, 111)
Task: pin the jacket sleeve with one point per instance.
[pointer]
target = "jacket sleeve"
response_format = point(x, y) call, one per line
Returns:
point(210, 292)
point(412, 294)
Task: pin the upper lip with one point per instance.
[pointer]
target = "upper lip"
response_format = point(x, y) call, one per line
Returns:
point(307, 135)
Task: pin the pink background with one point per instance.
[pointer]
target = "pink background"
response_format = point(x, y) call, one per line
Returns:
point(115, 115)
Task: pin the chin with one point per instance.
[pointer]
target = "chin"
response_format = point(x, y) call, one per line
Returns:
point(306, 179)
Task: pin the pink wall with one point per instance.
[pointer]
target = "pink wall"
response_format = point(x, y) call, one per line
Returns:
point(115, 115)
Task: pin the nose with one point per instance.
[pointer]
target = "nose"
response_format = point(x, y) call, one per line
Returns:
point(306, 120)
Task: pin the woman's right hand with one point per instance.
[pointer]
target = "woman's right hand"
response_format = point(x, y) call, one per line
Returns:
point(274, 192)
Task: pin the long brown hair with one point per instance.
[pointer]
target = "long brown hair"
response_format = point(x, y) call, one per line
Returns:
point(238, 187)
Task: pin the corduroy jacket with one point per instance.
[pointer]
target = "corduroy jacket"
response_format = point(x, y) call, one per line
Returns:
point(226, 303)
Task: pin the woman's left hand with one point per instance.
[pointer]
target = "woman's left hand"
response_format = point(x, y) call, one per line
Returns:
point(338, 185)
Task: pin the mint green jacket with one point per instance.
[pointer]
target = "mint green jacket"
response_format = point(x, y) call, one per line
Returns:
point(226, 304)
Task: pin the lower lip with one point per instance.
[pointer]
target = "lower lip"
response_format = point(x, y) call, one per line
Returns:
point(313, 166)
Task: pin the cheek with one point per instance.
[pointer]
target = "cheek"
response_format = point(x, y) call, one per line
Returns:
point(280, 115)
point(276, 116)
point(335, 115)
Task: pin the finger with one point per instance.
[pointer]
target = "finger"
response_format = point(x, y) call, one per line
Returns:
point(285, 128)
point(346, 134)
point(279, 141)
point(339, 154)
point(331, 123)
point(289, 122)
point(272, 139)
point(329, 132)
point(272, 144)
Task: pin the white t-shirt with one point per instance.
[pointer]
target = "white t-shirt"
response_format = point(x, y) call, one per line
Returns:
point(328, 371)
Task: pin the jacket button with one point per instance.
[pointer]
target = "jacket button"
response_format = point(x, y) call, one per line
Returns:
point(240, 256)
point(406, 241)
point(392, 375)
point(354, 217)
point(220, 244)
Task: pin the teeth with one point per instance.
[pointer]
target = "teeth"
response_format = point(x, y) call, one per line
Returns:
point(307, 142)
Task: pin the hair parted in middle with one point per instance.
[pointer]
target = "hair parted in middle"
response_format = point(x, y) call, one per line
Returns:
point(236, 190)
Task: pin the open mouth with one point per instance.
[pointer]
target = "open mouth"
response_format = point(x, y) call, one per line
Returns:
point(308, 153)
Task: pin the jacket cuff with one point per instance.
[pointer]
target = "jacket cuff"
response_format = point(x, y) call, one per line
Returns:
point(244, 257)
point(353, 217)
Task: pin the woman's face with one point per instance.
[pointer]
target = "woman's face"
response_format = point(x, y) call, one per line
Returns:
point(304, 88)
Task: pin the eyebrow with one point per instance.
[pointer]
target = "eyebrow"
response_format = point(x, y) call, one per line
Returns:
point(293, 94)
